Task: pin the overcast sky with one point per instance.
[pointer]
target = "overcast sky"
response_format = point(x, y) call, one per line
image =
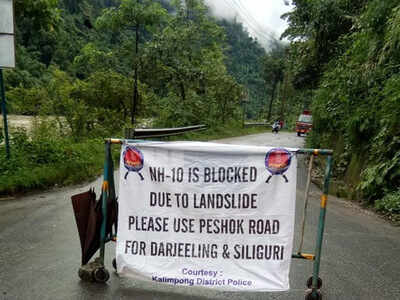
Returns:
point(260, 17)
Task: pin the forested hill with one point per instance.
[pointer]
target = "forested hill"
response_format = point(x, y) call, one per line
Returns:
point(344, 59)
point(191, 68)
point(244, 63)
point(77, 61)
point(88, 69)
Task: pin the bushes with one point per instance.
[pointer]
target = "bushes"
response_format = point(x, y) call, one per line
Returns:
point(390, 205)
point(356, 92)
point(46, 158)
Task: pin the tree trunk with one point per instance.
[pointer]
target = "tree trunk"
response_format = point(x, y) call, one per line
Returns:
point(182, 87)
point(284, 96)
point(135, 85)
point(272, 100)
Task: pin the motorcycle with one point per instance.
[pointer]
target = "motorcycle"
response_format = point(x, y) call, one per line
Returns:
point(276, 127)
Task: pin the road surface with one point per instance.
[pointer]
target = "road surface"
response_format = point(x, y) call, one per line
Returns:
point(40, 252)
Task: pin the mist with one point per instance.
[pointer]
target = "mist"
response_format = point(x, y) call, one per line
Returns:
point(261, 18)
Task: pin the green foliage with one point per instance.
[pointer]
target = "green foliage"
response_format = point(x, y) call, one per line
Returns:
point(132, 13)
point(91, 59)
point(28, 72)
point(356, 98)
point(390, 204)
point(243, 56)
point(27, 101)
point(273, 64)
point(185, 62)
point(383, 174)
point(93, 107)
point(76, 61)
point(44, 158)
point(74, 70)
point(41, 17)
point(36, 15)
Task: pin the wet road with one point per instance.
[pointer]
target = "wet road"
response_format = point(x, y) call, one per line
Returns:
point(40, 253)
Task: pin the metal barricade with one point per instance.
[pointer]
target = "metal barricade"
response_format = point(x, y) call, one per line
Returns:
point(314, 283)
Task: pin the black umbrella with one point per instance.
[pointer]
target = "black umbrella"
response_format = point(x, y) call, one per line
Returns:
point(88, 216)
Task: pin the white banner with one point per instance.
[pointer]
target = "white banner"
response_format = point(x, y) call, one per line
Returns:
point(207, 215)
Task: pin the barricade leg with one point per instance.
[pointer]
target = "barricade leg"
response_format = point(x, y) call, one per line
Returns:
point(105, 190)
point(101, 274)
point(320, 233)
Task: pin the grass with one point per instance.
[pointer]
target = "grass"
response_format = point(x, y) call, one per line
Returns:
point(69, 163)
point(45, 160)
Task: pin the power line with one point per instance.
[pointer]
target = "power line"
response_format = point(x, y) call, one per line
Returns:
point(249, 20)
point(246, 11)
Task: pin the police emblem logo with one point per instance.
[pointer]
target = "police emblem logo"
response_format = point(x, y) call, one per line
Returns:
point(277, 162)
point(133, 161)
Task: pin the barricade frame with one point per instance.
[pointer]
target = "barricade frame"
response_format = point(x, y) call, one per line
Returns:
point(314, 282)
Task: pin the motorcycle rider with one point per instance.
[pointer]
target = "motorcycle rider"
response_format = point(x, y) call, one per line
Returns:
point(276, 126)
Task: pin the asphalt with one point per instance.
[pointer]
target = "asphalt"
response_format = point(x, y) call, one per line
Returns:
point(40, 252)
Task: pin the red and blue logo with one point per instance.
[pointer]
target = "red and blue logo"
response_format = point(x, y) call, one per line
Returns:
point(133, 161)
point(277, 162)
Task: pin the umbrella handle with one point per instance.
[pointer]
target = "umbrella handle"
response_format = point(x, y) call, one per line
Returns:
point(126, 175)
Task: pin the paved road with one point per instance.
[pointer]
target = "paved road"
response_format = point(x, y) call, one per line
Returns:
point(40, 254)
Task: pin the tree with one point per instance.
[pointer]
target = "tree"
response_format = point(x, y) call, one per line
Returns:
point(315, 28)
point(41, 17)
point(346, 54)
point(244, 63)
point(133, 14)
point(273, 64)
point(185, 64)
point(91, 59)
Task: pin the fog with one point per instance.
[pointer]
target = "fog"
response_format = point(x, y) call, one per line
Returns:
point(262, 18)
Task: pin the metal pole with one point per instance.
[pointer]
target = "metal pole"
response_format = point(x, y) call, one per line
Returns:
point(321, 224)
point(303, 223)
point(105, 194)
point(4, 111)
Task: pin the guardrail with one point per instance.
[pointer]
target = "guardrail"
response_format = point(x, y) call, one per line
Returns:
point(256, 124)
point(131, 133)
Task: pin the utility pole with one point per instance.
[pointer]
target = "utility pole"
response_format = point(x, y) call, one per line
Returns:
point(7, 57)
point(4, 111)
